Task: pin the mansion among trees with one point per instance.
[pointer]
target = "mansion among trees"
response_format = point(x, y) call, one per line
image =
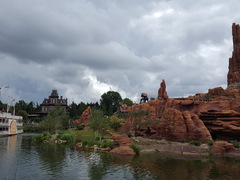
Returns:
point(52, 101)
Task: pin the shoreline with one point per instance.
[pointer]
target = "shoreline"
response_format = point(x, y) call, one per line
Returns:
point(162, 146)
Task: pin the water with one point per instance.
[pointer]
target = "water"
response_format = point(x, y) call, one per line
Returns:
point(21, 158)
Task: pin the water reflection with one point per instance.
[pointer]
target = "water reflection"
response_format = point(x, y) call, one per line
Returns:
point(98, 165)
point(21, 158)
point(51, 157)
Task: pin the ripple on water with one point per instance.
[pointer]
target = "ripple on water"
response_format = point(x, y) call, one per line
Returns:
point(26, 160)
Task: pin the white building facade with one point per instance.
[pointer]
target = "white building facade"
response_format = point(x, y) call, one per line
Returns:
point(10, 124)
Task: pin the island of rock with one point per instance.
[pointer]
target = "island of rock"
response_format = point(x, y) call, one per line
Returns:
point(203, 117)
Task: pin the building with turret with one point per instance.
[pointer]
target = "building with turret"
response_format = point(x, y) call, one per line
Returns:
point(52, 101)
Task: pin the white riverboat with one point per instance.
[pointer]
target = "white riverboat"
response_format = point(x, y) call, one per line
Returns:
point(10, 124)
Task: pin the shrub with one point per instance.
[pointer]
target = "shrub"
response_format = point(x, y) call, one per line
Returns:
point(235, 143)
point(68, 136)
point(195, 143)
point(107, 143)
point(89, 142)
point(135, 148)
point(210, 143)
point(41, 137)
point(182, 141)
point(115, 122)
point(129, 135)
point(79, 127)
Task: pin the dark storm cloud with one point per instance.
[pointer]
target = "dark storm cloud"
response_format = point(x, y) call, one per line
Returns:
point(84, 48)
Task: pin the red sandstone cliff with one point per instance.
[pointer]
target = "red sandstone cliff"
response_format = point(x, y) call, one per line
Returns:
point(193, 118)
point(234, 62)
point(164, 119)
point(84, 119)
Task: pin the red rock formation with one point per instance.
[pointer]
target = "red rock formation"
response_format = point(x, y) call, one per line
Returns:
point(162, 93)
point(218, 109)
point(122, 140)
point(222, 148)
point(177, 126)
point(124, 143)
point(84, 119)
point(139, 118)
point(224, 125)
point(219, 91)
point(124, 108)
point(233, 76)
point(168, 123)
point(76, 122)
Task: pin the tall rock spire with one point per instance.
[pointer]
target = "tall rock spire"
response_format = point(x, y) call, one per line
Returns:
point(233, 76)
point(162, 93)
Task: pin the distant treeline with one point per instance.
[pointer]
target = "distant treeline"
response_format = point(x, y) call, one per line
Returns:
point(109, 104)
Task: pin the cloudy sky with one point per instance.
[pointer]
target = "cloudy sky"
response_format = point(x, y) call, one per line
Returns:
point(84, 48)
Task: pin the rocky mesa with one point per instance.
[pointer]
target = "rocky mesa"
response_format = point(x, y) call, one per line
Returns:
point(202, 117)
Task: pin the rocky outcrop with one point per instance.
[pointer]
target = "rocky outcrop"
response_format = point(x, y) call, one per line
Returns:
point(222, 148)
point(224, 125)
point(84, 119)
point(123, 108)
point(124, 143)
point(162, 93)
point(182, 126)
point(193, 118)
point(169, 123)
point(139, 119)
point(233, 76)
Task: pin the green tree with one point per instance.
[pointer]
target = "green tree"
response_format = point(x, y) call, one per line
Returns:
point(73, 111)
point(24, 114)
point(141, 118)
point(115, 122)
point(55, 120)
point(3, 106)
point(110, 102)
point(21, 105)
point(127, 101)
point(30, 108)
point(98, 122)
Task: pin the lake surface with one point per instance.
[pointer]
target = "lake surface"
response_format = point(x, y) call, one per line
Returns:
point(21, 158)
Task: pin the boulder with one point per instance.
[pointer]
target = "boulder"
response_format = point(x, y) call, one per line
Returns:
point(222, 148)
point(219, 91)
point(121, 140)
point(123, 150)
point(124, 143)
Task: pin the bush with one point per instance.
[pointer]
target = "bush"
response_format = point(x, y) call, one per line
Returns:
point(68, 136)
point(135, 148)
point(115, 122)
point(41, 137)
point(182, 141)
point(107, 143)
point(129, 135)
point(89, 142)
point(210, 143)
point(79, 127)
point(235, 143)
point(195, 143)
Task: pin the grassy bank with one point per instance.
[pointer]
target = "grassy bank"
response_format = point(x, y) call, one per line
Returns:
point(86, 137)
